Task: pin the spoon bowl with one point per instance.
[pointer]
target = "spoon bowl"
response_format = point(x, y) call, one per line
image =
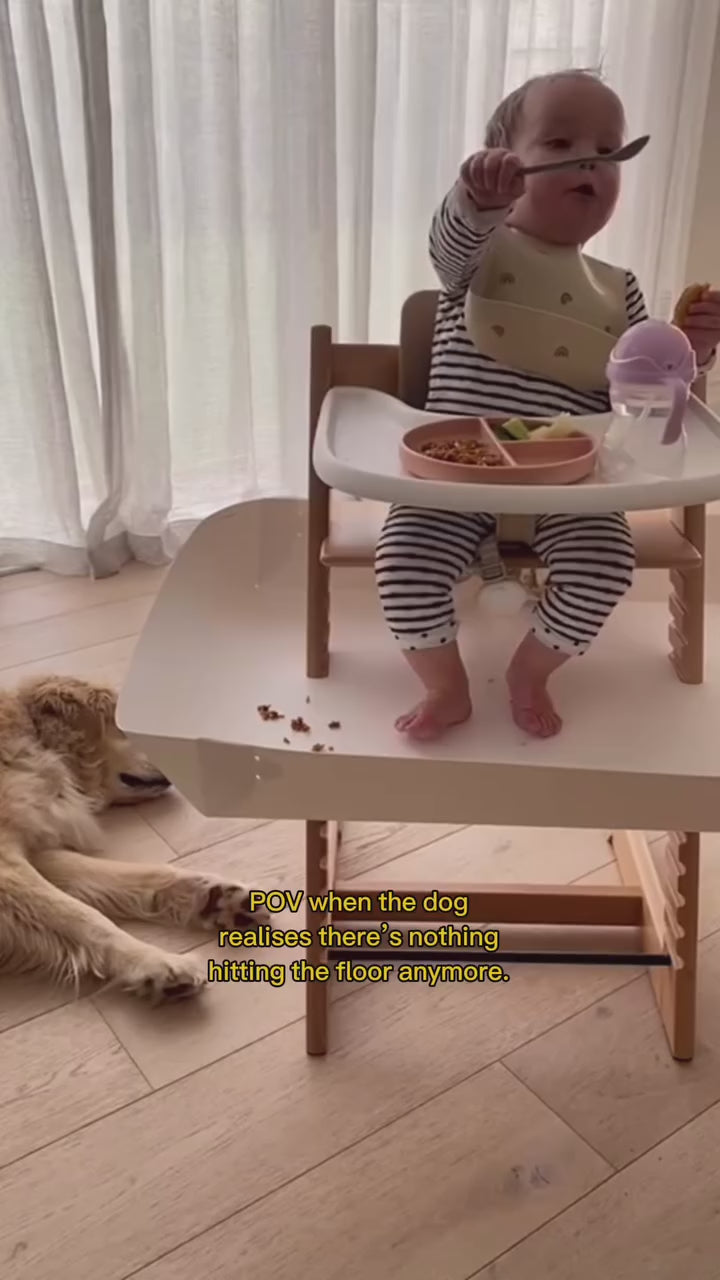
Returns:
point(628, 152)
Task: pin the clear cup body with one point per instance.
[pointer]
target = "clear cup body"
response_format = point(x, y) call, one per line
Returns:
point(633, 443)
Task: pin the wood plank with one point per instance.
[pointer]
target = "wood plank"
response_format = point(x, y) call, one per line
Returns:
point(365, 365)
point(33, 641)
point(502, 904)
point(657, 1219)
point(26, 996)
point(436, 1193)
point(186, 830)
point(59, 1072)
point(638, 871)
point(105, 663)
point(369, 845)
point(127, 835)
point(493, 855)
point(63, 596)
point(124, 1190)
point(676, 992)
point(173, 1040)
point(609, 1074)
point(11, 582)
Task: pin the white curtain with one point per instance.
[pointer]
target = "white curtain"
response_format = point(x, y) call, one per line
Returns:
point(189, 185)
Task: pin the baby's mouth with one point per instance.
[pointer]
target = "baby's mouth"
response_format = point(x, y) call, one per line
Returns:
point(585, 189)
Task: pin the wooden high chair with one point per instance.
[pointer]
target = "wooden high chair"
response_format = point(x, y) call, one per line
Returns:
point(659, 894)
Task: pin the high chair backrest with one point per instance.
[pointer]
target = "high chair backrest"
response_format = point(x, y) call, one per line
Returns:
point(417, 322)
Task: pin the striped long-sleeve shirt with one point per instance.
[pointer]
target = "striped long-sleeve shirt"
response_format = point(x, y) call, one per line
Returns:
point(462, 379)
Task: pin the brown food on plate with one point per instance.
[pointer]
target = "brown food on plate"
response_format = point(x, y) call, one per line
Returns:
point(334, 724)
point(267, 712)
point(298, 725)
point(319, 746)
point(469, 452)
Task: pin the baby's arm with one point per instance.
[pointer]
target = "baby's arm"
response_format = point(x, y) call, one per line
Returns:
point(488, 185)
point(635, 304)
point(459, 236)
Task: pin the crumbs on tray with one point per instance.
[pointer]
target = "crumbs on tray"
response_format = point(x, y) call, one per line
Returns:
point(297, 724)
point(266, 712)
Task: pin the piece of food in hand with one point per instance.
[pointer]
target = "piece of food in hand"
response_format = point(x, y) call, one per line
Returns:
point(560, 429)
point(516, 429)
point(693, 293)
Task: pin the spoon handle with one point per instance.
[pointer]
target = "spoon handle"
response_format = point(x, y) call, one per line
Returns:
point(566, 164)
point(628, 152)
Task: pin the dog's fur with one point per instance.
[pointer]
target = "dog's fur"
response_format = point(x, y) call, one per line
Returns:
point(62, 761)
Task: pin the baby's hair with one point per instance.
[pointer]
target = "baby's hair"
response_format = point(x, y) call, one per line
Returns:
point(503, 123)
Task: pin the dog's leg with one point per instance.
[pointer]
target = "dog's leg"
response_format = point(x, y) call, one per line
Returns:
point(42, 927)
point(132, 891)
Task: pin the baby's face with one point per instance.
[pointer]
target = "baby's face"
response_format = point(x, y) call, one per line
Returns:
point(561, 119)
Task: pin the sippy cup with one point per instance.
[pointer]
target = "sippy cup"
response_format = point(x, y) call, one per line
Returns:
point(650, 372)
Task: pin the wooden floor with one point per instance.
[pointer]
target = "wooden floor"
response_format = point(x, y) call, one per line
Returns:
point(535, 1128)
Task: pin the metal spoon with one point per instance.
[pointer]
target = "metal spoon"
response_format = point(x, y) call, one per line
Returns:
point(628, 152)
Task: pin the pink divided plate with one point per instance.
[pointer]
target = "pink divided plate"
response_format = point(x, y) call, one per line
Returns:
point(519, 462)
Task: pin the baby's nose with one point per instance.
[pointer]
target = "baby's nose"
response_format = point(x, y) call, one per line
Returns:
point(589, 164)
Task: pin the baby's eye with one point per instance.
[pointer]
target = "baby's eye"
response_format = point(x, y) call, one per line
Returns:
point(558, 144)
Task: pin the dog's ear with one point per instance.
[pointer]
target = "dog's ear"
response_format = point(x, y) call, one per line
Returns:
point(69, 700)
point(101, 702)
point(52, 697)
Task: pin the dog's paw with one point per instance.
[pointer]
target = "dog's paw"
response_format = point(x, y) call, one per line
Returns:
point(227, 906)
point(160, 977)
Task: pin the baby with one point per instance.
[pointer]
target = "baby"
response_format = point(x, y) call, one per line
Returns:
point(497, 240)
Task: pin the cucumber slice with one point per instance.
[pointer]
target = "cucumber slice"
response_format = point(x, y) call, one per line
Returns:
point(516, 429)
point(558, 430)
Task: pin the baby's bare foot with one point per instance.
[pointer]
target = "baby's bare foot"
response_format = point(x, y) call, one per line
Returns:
point(437, 713)
point(531, 707)
point(527, 676)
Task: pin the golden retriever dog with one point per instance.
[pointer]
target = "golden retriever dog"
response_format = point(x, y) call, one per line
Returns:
point(62, 761)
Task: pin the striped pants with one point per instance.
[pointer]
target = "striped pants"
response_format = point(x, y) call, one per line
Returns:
point(422, 554)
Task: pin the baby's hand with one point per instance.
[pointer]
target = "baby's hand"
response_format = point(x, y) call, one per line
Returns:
point(702, 324)
point(493, 179)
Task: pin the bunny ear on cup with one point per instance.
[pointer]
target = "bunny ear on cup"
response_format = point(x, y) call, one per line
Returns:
point(673, 429)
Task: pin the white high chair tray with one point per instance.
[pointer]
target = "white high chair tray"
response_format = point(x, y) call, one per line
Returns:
point(227, 634)
point(357, 451)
